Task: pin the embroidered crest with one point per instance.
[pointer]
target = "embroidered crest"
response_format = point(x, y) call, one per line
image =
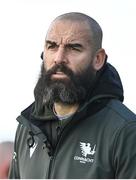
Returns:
point(87, 152)
point(87, 149)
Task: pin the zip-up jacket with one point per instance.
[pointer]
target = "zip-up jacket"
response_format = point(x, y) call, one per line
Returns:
point(98, 141)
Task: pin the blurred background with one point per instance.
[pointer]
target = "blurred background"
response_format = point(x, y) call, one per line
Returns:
point(23, 26)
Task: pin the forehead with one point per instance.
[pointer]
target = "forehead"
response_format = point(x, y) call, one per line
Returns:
point(69, 31)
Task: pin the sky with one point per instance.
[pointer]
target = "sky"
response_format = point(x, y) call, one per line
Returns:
point(23, 26)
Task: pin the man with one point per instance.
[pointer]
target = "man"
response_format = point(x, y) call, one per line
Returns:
point(6, 151)
point(77, 127)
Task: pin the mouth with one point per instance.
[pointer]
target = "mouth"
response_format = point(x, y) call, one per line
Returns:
point(59, 75)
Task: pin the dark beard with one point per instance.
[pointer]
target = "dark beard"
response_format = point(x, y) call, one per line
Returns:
point(71, 90)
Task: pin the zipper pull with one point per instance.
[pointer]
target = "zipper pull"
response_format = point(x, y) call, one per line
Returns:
point(30, 140)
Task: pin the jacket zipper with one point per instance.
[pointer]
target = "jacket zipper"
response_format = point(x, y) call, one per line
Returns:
point(52, 157)
point(49, 168)
point(52, 153)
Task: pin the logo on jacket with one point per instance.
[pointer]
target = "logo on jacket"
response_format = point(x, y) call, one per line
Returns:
point(87, 152)
point(86, 149)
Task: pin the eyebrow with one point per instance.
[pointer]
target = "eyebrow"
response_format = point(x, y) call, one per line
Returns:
point(50, 42)
point(77, 45)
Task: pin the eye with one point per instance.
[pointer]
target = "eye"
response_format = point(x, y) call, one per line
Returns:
point(51, 46)
point(74, 47)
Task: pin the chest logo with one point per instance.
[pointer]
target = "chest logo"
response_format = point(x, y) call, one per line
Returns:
point(87, 149)
point(87, 152)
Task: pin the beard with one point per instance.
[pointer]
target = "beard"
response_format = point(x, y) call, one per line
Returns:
point(70, 90)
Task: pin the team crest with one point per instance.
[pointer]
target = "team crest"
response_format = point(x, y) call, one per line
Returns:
point(87, 149)
point(87, 152)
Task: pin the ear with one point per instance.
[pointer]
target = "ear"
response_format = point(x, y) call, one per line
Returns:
point(41, 56)
point(99, 59)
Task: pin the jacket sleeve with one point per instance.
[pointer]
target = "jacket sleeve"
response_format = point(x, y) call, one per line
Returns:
point(125, 152)
point(14, 167)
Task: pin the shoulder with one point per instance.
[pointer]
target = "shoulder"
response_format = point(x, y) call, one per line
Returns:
point(117, 118)
point(120, 111)
point(122, 122)
point(22, 133)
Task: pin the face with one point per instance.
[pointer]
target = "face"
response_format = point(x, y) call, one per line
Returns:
point(67, 71)
point(68, 43)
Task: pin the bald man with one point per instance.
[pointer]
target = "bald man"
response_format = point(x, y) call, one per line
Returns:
point(78, 126)
point(6, 151)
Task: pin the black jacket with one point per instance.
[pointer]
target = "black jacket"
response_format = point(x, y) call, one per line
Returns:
point(97, 142)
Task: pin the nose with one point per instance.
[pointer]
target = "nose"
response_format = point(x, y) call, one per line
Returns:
point(60, 56)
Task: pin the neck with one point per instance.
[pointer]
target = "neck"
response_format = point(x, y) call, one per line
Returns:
point(64, 109)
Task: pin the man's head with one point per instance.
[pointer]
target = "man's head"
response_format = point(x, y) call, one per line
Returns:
point(72, 55)
point(6, 151)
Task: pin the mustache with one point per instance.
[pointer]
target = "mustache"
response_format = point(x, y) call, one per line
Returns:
point(61, 68)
